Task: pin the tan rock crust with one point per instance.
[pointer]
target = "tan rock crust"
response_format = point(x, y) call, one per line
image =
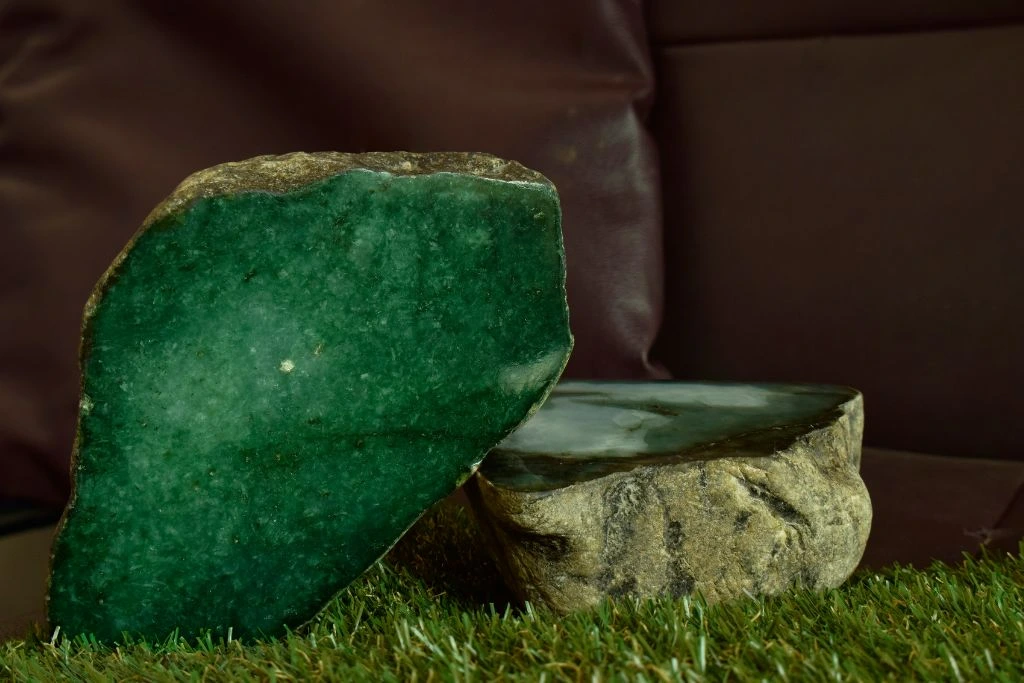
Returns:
point(741, 524)
point(281, 173)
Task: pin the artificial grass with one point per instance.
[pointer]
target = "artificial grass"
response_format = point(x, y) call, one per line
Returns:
point(435, 610)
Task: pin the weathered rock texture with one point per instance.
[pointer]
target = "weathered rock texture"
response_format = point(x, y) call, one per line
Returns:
point(672, 488)
point(291, 360)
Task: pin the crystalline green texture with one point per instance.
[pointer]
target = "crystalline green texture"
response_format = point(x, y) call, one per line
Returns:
point(293, 359)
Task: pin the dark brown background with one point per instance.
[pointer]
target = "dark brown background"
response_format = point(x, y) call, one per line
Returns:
point(750, 191)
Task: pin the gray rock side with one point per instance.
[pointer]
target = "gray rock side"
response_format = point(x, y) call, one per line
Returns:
point(751, 513)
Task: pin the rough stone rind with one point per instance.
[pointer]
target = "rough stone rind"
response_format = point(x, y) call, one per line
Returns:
point(284, 172)
point(724, 527)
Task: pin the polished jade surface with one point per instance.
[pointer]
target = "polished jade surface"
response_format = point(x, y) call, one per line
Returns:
point(588, 429)
point(277, 384)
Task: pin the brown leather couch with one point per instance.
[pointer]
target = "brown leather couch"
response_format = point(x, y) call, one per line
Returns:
point(804, 191)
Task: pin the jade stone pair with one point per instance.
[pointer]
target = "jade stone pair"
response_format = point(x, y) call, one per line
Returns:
point(296, 356)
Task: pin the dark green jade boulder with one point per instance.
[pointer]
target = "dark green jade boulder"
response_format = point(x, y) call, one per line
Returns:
point(292, 359)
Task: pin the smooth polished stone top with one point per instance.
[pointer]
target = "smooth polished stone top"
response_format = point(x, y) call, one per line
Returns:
point(292, 359)
point(587, 428)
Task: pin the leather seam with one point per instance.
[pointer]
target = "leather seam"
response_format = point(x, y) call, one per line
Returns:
point(711, 41)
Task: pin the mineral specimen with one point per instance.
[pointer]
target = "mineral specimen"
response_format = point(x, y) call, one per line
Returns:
point(673, 488)
point(292, 359)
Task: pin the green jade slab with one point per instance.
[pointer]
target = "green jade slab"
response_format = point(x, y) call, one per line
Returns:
point(292, 359)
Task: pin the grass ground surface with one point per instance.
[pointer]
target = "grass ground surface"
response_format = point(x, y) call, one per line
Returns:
point(434, 610)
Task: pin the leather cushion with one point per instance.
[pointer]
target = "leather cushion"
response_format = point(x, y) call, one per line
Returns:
point(848, 210)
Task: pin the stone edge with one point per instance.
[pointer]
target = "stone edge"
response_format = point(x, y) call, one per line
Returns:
point(850, 405)
point(278, 174)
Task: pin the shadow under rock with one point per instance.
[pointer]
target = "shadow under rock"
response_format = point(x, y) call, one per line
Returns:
point(446, 550)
